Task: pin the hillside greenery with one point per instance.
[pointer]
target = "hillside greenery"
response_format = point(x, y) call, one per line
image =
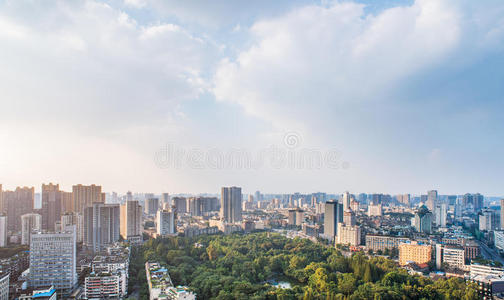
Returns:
point(247, 266)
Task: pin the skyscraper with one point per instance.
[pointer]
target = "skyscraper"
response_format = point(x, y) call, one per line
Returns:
point(85, 195)
point(101, 225)
point(432, 197)
point(349, 217)
point(52, 260)
point(198, 206)
point(3, 230)
point(165, 199)
point(488, 220)
point(231, 204)
point(51, 206)
point(71, 219)
point(131, 220)
point(18, 203)
point(180, 204)
point(165, 222)
point(441, 215)
point(346, 201)
point(29, 223)
point(67, 204)
point(2, 204)
point(423, 220)
point(478, 202)
point(151, 206)
point(332, 216)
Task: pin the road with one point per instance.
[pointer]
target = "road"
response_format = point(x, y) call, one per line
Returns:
point(490, 253)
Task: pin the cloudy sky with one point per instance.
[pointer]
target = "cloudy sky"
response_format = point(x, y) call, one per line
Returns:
point(162, 96)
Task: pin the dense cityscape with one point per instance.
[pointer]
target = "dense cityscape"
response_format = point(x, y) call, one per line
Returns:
point(262, 150)
point(89, 244)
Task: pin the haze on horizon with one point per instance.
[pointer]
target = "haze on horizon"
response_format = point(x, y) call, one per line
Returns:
point(406, 94)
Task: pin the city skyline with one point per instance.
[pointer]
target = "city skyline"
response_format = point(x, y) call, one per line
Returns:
point(252, 191)
point(93, 91)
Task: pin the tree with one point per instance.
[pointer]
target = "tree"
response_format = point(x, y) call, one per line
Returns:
point(212, 252)
point(347, 283)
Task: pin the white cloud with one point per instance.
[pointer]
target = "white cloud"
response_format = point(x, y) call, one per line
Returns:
point(316, 57)
point(95, 58)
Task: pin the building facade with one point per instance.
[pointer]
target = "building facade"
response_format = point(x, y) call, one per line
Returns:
point(51, 206)
point(101, 225)
point(165, 222)
point(85, 195)
point(231, 204)
point(419, 254)
point(131, 220)
point(348, 235)
point(382, 242)
point(3, 230)
point(332, 216)
point(29, 223)
point(53, 260)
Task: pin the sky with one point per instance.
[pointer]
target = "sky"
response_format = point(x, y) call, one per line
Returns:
point(278, 96)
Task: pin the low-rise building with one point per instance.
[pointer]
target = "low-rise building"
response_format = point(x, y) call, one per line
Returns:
point(40, 293)
point(383, 242)
point(454, 256)
point(413, 252)
point(161, 286)
point(105, 285)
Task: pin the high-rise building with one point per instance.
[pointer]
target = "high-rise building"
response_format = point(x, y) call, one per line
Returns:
point(67, 203)
point(165, 198)
point(404, 199)
point(101, 225)
point(131, 220)
point(432, 197)
point(231, 204)
point(3, 230)
point(468, 200)
point(419, 254)
point(73, 220)
point(375, 210)
point(198, 206)
point(488, 220)
point(423, 199)
point(478, 200)
point(292, 217)
point(85, 195)
point(376, 199)
point(53, 260)
point(18, 203)
point(4, 286)
point(502, 214)
point(348, 235)
point(2, 204)
point(51, 206)
point(165, 222)
point(423, 220)
point(453, 256)
point(29, 223)
point(345, 199)
point(441, 215)
point(151, 206)
point(349, 217)
point(180, 204)
point(332, 216)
